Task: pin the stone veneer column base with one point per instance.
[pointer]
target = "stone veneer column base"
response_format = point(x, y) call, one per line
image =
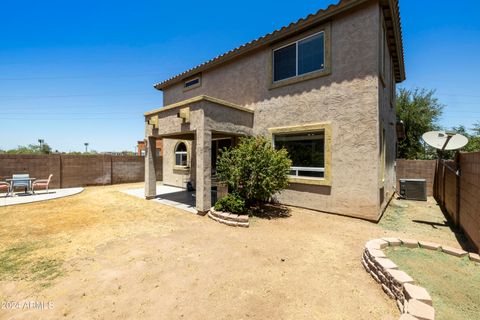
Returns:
point(230, 219)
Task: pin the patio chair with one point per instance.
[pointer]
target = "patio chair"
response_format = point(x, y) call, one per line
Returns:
point(5, 186)
point(42, 183)
point(20, 181)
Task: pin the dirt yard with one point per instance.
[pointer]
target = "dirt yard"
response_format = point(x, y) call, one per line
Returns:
point(103, 254)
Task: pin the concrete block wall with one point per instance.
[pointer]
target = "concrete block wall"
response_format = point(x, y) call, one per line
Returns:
point(450, 193)
point(417, 169)
point(85, 170)
point(77, 170)
point(38, 166)
point(460, 196)
point(126, 169)
point(469, 215)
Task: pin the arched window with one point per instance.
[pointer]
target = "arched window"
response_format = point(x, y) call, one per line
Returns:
point(181, 154)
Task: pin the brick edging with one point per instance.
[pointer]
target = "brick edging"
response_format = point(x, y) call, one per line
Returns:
point(231, 219)
point(414, 302)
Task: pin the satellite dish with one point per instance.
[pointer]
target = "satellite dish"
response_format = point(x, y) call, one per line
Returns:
point(444, 140)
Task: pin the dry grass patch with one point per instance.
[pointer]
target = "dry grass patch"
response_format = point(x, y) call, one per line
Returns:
point(452, 282)
point(20, 262)
point(421, 220)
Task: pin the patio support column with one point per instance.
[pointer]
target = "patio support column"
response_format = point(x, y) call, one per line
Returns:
point(150, 170)
point(203, 149)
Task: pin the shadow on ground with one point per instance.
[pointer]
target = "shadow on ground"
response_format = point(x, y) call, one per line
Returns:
point(462, 239)
point(425, 218)
point(270, 211)
point(184, 197)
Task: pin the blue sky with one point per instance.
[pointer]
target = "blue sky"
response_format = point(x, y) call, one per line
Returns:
point(82, 71)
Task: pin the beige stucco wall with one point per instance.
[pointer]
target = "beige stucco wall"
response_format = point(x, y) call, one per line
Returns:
point(171, 176)
point(348, 98)
point(387, 120)
point(204, 116)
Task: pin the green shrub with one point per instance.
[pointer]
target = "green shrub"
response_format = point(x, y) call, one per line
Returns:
point(231, 203)
point(254, 170)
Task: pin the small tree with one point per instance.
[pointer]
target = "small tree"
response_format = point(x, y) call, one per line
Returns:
point(31, 149)
point(476, 128)
point(473, 144)
point(420, 112)
point(254, 170)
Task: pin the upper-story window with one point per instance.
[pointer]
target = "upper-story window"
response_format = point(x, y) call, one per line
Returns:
point(191, 83)
point(300, 57)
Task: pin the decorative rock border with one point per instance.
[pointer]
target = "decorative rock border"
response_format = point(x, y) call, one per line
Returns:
point(231, 219)
point(413, 301)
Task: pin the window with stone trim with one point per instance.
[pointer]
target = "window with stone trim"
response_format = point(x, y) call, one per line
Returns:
point(307, 152)
point(181, 155)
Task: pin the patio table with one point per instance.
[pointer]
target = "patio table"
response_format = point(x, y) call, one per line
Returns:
point(27, 188)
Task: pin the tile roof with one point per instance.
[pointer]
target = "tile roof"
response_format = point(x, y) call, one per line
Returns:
point(391, 11)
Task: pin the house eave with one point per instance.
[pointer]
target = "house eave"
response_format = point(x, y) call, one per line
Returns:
point(391, 7)
point(275, 36)
point(293, 28)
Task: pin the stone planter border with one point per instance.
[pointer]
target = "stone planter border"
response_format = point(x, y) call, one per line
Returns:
point(414, 302)
point(230, 219)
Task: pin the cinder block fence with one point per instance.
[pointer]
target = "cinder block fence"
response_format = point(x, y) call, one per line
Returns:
point(77, 170)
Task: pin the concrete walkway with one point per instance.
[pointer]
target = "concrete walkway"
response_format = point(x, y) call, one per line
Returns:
point(170, 196)
point(21, 198)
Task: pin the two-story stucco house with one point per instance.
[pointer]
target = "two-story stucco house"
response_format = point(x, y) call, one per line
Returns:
point(322, 87)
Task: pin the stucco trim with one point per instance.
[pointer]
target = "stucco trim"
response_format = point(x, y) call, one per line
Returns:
point(326, 127)
point(181, 170)
point(198, 99)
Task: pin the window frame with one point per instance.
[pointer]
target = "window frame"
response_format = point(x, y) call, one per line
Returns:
point(383, 52)
point(326, 70)
point(383, 49)
point(300, 168)
point(296, 57)
point(326, 128)
point(193, 86)
point(186, 153)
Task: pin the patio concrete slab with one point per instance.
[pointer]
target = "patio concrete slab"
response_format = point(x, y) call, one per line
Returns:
point(39, 196)
point(170, 196)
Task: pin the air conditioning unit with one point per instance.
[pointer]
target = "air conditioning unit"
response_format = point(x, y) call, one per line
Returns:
point(413, 189)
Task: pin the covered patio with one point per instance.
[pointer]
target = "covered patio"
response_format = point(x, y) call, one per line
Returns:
point(170, 196)
point(200, 122)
